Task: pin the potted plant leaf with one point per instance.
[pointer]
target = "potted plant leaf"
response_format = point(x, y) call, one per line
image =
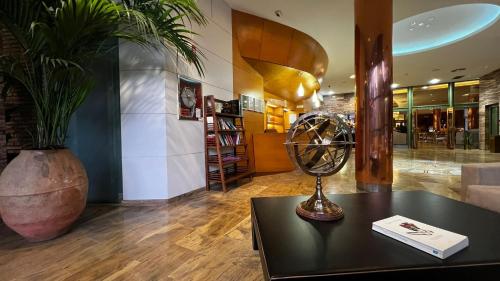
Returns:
point(44, 190)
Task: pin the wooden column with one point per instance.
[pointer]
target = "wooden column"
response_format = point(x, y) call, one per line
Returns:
point(436, 119)
point(373, 54)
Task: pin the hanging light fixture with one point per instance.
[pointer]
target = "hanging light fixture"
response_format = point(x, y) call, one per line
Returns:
point(300, 90)
point(320, 96)
point(315, 100)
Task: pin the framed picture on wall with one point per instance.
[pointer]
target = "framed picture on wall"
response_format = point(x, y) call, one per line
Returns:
point(190, 99)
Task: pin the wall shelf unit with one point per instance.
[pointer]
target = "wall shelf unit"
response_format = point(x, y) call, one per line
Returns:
point(275, 118)
point(226, 153)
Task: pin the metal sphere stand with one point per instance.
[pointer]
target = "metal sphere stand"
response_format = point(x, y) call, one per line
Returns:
point(318, 207)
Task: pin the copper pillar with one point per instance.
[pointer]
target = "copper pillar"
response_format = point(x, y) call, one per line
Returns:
point(436, 115)
point(373, 47)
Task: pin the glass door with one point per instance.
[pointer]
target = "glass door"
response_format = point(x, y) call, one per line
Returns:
point(491, 123)
point(493, 117)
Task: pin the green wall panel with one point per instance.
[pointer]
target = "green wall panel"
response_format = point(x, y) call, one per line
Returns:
point(94, 134)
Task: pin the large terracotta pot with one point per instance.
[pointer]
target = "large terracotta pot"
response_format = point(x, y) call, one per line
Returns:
point(42, 192)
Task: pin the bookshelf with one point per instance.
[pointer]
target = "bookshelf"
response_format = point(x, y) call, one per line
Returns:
point(275, 118)
point(226, 152)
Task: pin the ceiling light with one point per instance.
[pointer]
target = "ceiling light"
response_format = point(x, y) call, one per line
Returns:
point(425, 87)
point(320, 80)
point(352, 76)
point(434, 81)
point(300, 90)
point(331, 92)
point(394, 85)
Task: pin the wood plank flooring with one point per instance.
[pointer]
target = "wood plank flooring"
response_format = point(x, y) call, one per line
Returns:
point(204, 236)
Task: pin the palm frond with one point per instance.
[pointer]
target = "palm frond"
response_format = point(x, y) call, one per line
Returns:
point(171, 18)
point(62, 37)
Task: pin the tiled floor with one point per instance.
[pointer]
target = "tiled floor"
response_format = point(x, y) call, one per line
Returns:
point(205, 236)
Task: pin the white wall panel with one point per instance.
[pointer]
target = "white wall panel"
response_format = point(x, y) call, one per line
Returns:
point(189, 174)
point(144, 135)
point(142, 91)
point(163, 157)
point(219, 72)
point(184, 136)
point(144, 178)
point(135, 57)
point(221, 14)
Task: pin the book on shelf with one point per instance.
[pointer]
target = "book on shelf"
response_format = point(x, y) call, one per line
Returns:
point(226, 125)
point(432, 240)
point(227, 139)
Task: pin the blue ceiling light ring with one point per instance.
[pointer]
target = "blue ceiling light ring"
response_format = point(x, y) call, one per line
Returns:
point(442, 27)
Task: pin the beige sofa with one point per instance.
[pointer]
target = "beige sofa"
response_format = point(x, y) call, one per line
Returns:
point(481, 185)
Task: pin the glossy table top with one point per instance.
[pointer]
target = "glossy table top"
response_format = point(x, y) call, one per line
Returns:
point(294, 247)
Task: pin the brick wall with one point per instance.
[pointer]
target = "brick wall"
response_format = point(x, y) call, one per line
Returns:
point(489, 93)
point(342, 103)
point(16, 110)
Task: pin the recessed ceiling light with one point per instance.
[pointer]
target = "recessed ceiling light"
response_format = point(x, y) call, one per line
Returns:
point(352, 76)
point(425, 87)
point(394, 85)
point(434, 81)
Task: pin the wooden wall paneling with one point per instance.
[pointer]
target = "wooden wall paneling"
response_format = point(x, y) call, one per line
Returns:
point(271, 154)
point(253, 123)
point(246, 80)
point(250, 28)
point(262, 56)
point(276, 40)
point(302, 53)
point(284, 81)
point(273, 41)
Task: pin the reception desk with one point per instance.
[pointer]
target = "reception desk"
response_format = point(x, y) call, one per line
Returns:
point(270, 153)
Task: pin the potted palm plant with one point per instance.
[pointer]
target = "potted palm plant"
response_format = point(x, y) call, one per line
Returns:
point(44, 190)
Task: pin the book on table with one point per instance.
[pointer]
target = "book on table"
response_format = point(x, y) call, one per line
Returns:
point(432, 240)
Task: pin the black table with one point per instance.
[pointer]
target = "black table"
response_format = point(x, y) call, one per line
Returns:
point(292, 247)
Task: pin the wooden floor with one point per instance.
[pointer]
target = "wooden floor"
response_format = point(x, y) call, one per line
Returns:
point(205, 236)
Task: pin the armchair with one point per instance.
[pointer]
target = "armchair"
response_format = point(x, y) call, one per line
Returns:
point(481, 185)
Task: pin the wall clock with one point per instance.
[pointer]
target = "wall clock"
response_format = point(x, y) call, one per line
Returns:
point(188, 97)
